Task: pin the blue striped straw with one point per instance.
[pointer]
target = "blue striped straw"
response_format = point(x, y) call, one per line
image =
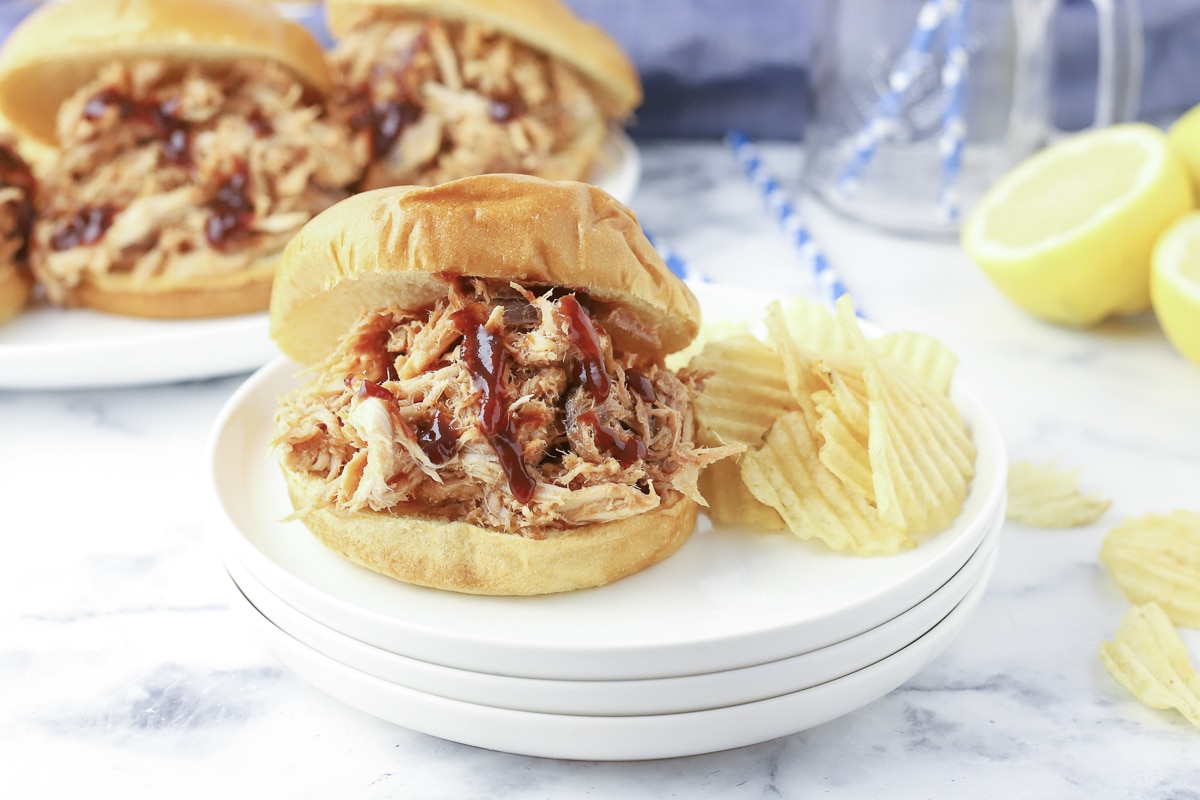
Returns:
point(787, 216)
point(901, 79)
point(676, 263)
point(954, 124)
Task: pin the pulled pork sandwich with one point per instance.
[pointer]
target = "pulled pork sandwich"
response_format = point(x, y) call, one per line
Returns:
point(443, 89)
point(488, 410)
point(17, 190)
point(192, 142)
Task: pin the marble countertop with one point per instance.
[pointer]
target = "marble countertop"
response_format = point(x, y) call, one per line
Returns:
point(124, 669)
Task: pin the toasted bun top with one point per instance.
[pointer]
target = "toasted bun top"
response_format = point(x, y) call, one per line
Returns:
point(546, 25)
point(397, 247)
point(62, 46)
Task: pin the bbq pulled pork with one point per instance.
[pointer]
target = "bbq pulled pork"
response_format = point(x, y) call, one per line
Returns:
point(17, 192)
point(499, 406)
point(168, 173)
point(432, 101)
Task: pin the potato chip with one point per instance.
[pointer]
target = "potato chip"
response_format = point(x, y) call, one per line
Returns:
point(744, 395)
point(1149, 659)
point(921, 453)
point(709, 332)
point(843, 423)
point(813, 327)
point(730, 502)
point(787, 474)
point(923, 354)
point(1156, 558)
point(1043, 496)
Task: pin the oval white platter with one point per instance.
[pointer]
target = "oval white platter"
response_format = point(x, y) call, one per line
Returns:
point(625, 738)
point(630, 697)
point(727, 599)
point(54, 348)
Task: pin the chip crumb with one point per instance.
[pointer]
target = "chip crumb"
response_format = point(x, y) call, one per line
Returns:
point(1045, 496)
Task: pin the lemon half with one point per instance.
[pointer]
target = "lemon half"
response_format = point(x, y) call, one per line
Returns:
point(1067, 234)
point(1175, 285)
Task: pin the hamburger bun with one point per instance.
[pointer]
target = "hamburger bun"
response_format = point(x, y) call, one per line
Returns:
point(401, 247)
point(548, 26)
point(461, 557)
point(61, 46)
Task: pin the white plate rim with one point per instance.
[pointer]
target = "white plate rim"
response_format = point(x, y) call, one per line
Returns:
point(627, 697)
point(626, 738)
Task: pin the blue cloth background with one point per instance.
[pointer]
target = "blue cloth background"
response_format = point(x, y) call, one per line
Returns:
point(708, 65)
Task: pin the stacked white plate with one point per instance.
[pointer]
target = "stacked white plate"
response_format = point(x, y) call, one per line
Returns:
point(740, 637)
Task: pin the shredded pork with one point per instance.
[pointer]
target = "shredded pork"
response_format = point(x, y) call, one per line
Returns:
point(169, 174)
point(17, 191)
point(433, 101)
point(397, 418)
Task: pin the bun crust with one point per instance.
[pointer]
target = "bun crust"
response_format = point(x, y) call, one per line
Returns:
point(61, 46)
point(239, 293)
point(461, 557)
point(546, 25)
point(398, 246)
point(15, 287)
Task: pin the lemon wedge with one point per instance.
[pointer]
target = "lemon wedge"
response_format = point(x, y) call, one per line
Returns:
point(1175, 285)
point(1067, 234)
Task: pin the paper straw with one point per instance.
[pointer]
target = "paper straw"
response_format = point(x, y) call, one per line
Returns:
point(904, 73)
point(789, 218)
point(676, 263)
point(954, 124)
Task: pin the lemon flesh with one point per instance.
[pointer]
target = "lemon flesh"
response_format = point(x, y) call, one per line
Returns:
point(1175, 285)
point(1067, 235)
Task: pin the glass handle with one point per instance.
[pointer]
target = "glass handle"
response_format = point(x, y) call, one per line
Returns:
point(1121, 49)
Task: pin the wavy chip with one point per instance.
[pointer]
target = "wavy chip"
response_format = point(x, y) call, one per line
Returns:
point(843, 423)
point(745, 393)
point(786, 474)
point(921, 453)
point(709, 332)
point(1149, 659)
point(730, 501)
point(1044, 496)
point(924, 355)
point(1156, 558)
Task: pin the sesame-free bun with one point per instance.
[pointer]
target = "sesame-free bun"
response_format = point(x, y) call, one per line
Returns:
point(400, 246)
point(15, 287)
point(241, 292)
point(461, 557)
point(549, 26)
point(61, 46)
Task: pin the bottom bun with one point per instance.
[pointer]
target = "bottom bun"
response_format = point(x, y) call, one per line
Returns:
point(15, 287)
point(461, 557)
point(225, 295)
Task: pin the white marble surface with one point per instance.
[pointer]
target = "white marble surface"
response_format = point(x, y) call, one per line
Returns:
point(125, 673)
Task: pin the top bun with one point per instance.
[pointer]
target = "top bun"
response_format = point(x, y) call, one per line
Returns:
point(61, 46)
point(546, 25)
point(400, 246)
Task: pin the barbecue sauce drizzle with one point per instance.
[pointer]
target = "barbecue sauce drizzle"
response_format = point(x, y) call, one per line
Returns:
point(487, 362)
point(15, 172)
point(436, 436)
point(174, 133)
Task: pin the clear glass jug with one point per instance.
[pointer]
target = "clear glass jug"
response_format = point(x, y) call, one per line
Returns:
point(918, 106)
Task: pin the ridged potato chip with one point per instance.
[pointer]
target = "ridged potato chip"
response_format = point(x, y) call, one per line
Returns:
point(812, 327)
point(843, 423)
point(730, 502)
point(1044, 496)
point(743, 396)
point(1149, 659)
point(787, 474)
point(1156, 558)
point(923, 354)
point(709, 332)
point(921, 453)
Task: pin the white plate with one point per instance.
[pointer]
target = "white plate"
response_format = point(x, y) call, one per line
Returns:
point(615, 738)
point(633, 697)
point(727, 599)
point(55, 348)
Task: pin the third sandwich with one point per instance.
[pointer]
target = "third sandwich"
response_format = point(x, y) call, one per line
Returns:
point(192, 143)
point(441, 90)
